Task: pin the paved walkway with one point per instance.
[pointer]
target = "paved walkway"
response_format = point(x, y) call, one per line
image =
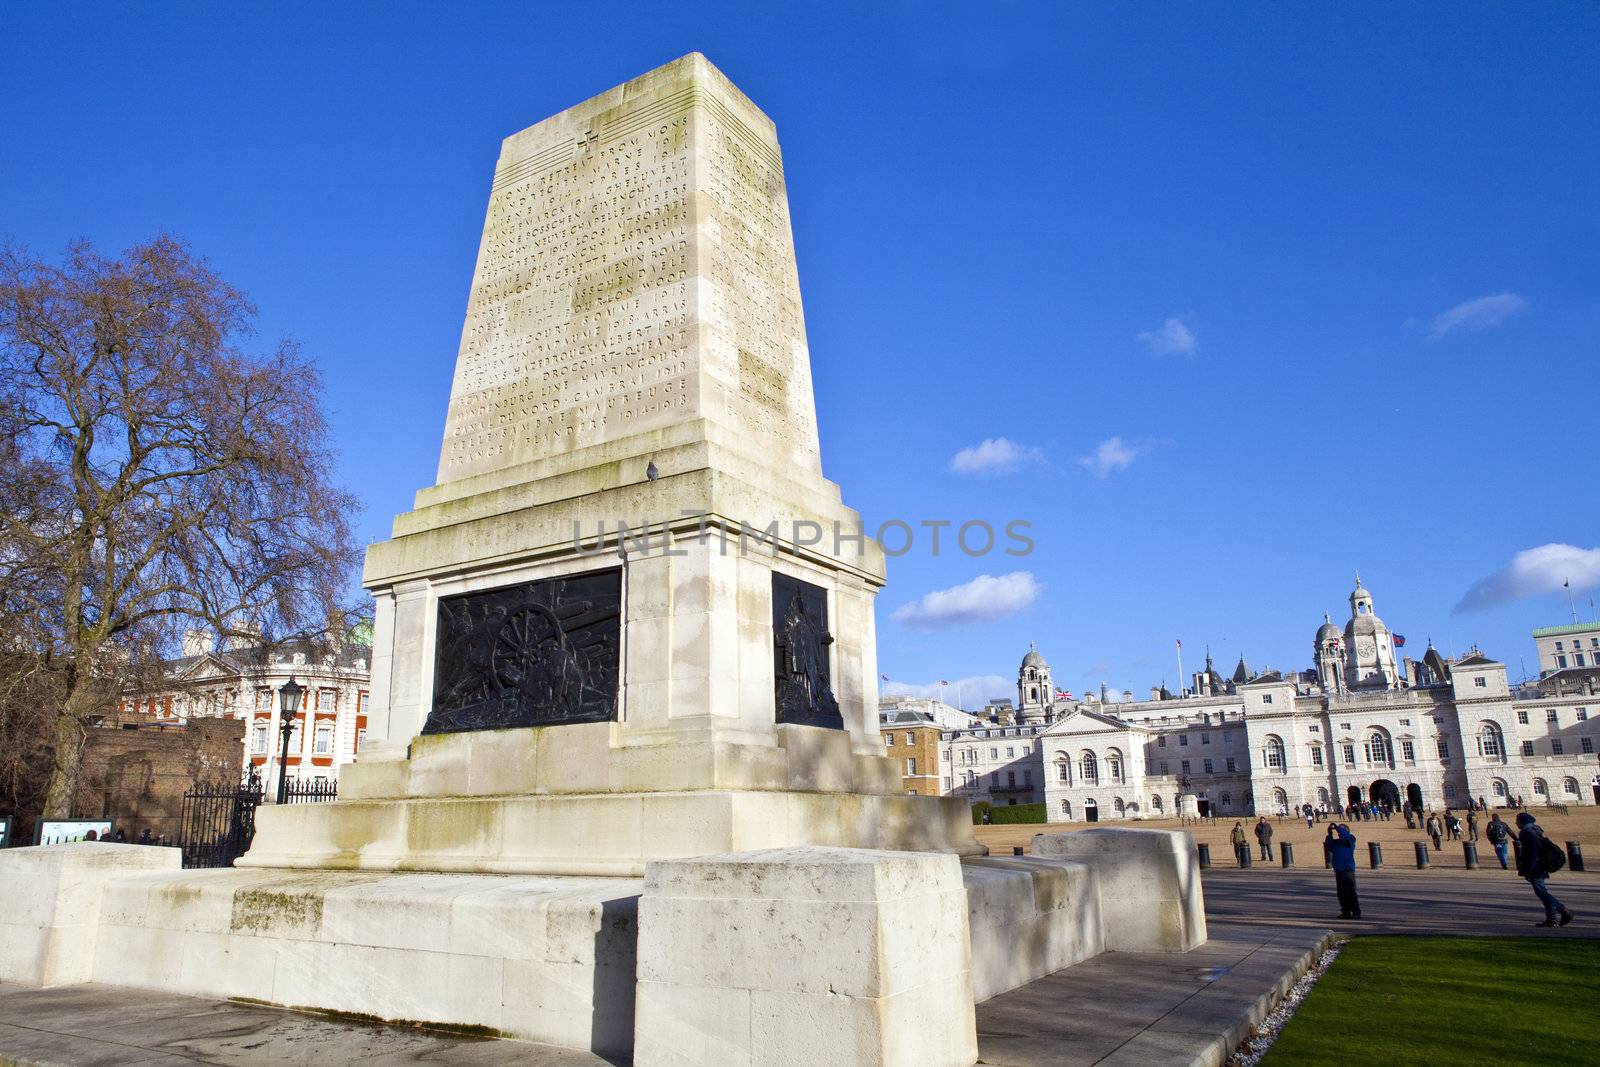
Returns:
point(1149, 1008)
point(104, 1026)
point(1402, 902)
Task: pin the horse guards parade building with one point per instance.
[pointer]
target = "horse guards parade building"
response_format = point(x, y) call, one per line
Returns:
point(1361, 727)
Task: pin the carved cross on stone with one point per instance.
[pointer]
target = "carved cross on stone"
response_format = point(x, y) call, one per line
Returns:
point(587, 139)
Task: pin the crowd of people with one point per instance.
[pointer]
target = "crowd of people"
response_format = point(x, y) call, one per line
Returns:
point(1537, 857)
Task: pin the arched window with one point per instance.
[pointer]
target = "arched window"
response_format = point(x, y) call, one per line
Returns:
point(1569, 786)
point(1280, 801)
point(1274, 753)
point(1380, 750)
point(1539, 788)
point(1499, 788)
point(1119, 807)
point(1089, 769)
point(1114, 765)
point(1155, 799)
point(1491, 745)
point(1066, 808)
point(1063, 770)
point(1449, 790)
point(1322, 796)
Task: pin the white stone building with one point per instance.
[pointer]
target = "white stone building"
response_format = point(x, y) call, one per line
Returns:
point(243, 683)
point(1362, 726)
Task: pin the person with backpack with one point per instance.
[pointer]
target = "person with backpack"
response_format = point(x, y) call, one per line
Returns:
point(1499, 836)
point(1435, 829)
point(1340, 847)
point(1541, 857)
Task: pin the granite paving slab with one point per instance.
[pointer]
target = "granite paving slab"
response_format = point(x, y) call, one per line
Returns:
point(1137, 1008)
point(95, 1025)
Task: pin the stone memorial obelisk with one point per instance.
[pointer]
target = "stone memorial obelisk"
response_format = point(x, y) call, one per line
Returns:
point(632, 620)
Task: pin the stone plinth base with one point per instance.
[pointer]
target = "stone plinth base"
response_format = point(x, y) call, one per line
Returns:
point(804, 956)
point(1029, 917)
point(1149, 881)
point(546, 959)
point(613, 834)
point(51, 902)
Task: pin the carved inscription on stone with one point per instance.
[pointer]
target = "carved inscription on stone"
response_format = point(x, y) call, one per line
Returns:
point(535, 654)
point(633, 276)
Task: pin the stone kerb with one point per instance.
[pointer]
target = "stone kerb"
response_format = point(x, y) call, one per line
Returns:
point(51, 915)
point(805, 955)
point(1150, 895)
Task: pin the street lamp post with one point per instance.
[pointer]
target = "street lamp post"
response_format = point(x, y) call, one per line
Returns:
point(288, 707)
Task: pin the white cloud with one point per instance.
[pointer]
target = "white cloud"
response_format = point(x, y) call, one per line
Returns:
point(970, 693)
point(1173, 338)
point(1486, 312)
point(983, 599)
point(1112, 455)
point(1533, 572)
point(993, 454)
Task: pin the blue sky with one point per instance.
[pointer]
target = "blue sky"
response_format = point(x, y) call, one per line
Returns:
point(1256, 296)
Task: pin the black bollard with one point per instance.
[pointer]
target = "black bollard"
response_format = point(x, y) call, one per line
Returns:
point(1375, 854)
point(1205, 855)
point(1574, 856)
point(1244, 856)
point(1286, 851)
point(1470, 851)
point(1422, 854)
point(1016, 850)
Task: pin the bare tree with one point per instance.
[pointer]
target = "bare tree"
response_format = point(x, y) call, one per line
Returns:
point(154, 476)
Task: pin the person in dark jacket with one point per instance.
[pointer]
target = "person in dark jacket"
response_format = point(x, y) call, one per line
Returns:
point(1340, 846)
point(1264, 837)
point(1499, 835)
point(1531, 866)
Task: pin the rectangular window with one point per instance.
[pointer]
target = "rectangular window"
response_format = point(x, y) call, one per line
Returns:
point(1405, 722)
point(1344, 726)
point(1234, 766)
point(1558, 646)
point(1522, 717)
point(911, 765)
point(1555, 746)
point(1184, 766)
point(1583, 713)
point(1183, 740)
point(361, 702)
point(1349, 755)
point(1010, 752)
point(258, 740)
point(994, 753)
point(888, 739)
point(1314, 728)
point(1481, 683)
point(1027, 779)
point(1588, 745)
point(1316, 756)
point(946, 784)
point(1166, 768)
point(1408, 752)
point(1205, 739)
point(1527, 748)
point(1011, 779)
point(263, 699)
point(1550, 716)
point(324, 740)
point(910, 738)
point(361, 738)
point(1161, 741)
point(1266, 698)
point(994, 779)
point(1444, 748)
point(1207, 766)
point(1579, 659)
point(325, 699)
point(1561, 661)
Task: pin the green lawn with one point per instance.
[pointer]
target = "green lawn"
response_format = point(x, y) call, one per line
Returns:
point(1450, 1000)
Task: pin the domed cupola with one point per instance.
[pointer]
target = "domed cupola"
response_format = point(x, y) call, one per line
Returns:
point(1368, 648)
point(1034, 691)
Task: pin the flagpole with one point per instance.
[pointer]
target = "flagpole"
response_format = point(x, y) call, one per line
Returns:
point(1180, 666)
point(1570, 605)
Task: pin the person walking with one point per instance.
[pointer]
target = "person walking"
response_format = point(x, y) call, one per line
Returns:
point(1241, 844)
point(1435, 830)
point(1499, 835)
point(1264, 837)
point(1309, 817)
point(1537, 864)
point(1472, 824)
point(1452, 823)
point(1340, 847)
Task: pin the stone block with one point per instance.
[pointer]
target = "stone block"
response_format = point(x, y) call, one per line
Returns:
point(1150, 894)
point(1028, 917)
point(53, 895)
point(805, 955)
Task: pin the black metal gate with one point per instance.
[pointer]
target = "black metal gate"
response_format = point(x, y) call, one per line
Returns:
point(218, 822)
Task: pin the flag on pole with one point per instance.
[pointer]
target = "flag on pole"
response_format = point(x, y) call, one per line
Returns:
point(1180, 642)
point(885, 677)
point(1062, 694)
point(943, 682)
point(1399, 640)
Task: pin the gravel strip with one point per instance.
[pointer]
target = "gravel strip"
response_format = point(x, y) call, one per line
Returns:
point(1263, 1034)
